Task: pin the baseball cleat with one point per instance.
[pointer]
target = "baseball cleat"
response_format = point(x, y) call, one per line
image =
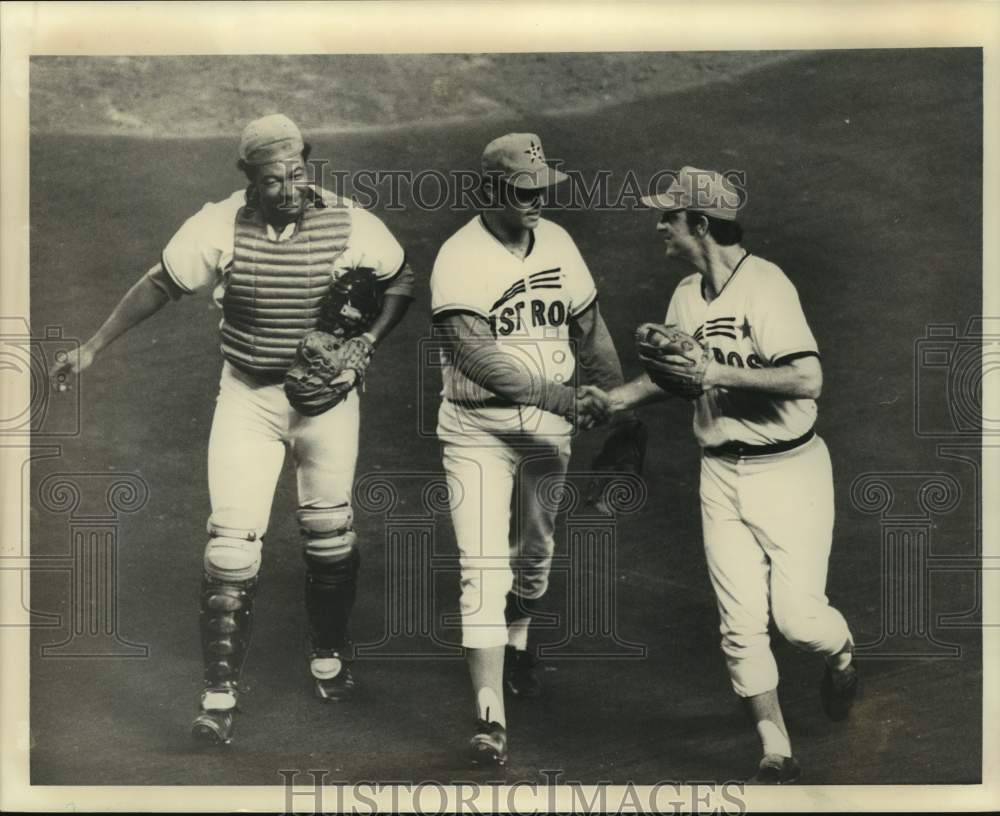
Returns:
point(520, 673)
point(838, 691)
point(488, 745)
point(331, 674)
point(214, 723)
point(213, 727)
point(776, 770)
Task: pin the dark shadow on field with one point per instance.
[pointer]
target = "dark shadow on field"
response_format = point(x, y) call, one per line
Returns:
point(864, 171)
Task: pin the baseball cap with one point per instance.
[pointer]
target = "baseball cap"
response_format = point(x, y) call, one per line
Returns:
point(270, 138)
point(519, 160)
point(706, 191)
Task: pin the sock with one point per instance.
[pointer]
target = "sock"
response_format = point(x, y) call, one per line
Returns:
point(772, 739)
point(488, 707)
point(517, 633)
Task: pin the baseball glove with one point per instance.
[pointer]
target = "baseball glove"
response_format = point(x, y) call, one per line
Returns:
point(323, 373)
point(332, 359)
point(624, 451)
point(675, 361)
point(351, 304)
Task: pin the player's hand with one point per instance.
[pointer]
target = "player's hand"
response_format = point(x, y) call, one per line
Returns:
point(617, 401)
point(70, 364)
point(593, 407)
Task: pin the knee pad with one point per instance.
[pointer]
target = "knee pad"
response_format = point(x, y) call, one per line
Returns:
point(232, 554)
point(327, 534)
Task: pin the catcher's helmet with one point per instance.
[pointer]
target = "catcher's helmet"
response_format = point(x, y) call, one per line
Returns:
point(352, 304)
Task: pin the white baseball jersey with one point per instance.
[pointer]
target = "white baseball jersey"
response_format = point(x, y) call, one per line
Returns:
point(200, 253)
point(755, 322)
point(528, 304)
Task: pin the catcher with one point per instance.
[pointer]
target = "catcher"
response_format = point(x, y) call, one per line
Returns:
point(267, 254)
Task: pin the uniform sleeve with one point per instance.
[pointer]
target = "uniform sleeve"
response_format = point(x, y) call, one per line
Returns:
point(452, 287)
point(780, 331)
point(579, 282)
point(192, 256)
point(371, 244)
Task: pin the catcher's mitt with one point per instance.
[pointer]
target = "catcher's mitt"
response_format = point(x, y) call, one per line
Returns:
point(674, 360)
point(352, 303)
point(319, 379)
point(624, 451)
point(331, 360)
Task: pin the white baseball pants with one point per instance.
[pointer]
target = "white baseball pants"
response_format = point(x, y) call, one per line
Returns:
point(768, 528)
point(252, 427)
point(504, 495)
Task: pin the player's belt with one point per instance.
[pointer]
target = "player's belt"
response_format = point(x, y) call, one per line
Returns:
point(488, 402)
point(744, 449)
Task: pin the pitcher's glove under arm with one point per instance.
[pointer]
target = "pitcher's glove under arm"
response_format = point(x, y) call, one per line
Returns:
point(624, 451)
point(325, 370)
point(674, 360)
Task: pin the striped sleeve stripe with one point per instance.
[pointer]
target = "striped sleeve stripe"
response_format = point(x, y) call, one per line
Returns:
point(173, 277)
point(785, 359)
point(394, 275)
point(585, 305)
point(454, 308)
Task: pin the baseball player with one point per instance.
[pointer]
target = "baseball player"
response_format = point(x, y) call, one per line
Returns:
point(512, 294)
point(766, 481)
point(267, 255)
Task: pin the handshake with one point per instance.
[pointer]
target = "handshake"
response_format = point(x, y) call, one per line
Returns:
point(592, 408)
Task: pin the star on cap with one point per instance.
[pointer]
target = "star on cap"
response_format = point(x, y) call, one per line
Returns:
point(535, 152)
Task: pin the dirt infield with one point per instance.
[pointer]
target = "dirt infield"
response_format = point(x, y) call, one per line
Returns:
point(169, 96)
point(864, 171)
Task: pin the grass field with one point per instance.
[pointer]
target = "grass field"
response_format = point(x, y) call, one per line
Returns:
point(864, 171)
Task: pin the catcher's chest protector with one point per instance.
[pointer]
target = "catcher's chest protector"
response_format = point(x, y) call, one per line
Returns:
point(275, 288)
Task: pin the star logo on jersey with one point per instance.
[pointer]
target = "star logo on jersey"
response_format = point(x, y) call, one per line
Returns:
point(534, 152)
point(745, 328)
